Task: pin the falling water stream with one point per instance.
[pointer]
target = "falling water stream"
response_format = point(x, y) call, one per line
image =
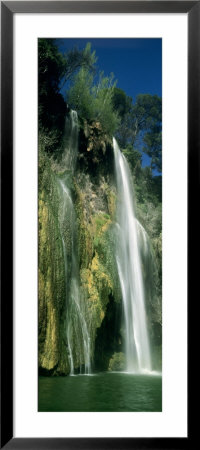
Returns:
point(71, 141)
point(130, 239)
point(77, 334)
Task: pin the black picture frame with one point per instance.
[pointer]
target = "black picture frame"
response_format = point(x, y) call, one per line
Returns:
point(8, 9)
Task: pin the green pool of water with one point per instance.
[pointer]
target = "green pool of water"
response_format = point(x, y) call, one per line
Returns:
point(103, 392)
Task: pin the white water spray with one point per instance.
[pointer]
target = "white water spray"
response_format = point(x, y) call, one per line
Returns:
point(130, 234)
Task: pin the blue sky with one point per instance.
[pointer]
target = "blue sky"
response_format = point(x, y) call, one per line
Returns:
point(136, 63)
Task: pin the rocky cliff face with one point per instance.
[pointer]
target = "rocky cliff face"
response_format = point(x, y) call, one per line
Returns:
point(93, 190)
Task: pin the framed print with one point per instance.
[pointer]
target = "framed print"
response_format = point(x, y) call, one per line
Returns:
point(100, 139)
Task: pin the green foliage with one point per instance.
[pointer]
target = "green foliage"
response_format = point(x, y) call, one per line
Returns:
point(80, 97)
point(148, 116)
point(93, 101)
point(54, 69)
point(103, 106)
point(75, 59)
point(140, 125)
point(134, 157)
point(51, 66)
point(51, 105)
point(153, 147)
point(148, 110)
point(125, 133)
point(121, 102)
point(51, 141)
point(147, 186)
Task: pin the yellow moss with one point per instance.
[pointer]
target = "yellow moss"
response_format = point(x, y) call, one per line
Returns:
point(95, 263)
point(106, 226)
point(98, 271)
point(111, 198)
point(99, 224)
point(41, 284)
point(97, 285)
point(85, 240)
point(50, 355)
point(102, 315)
point(48, 358)
point(43, 217)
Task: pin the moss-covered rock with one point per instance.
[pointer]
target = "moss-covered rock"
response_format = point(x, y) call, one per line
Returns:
point(51, 277)
point(98, 272)
point(117, 362)
point(95, 149)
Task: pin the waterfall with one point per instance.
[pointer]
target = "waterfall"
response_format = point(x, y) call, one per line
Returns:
point(77, 334)
point(130, 238)
point(71, 141)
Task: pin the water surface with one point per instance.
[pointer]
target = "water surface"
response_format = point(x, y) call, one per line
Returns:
point(102, 392)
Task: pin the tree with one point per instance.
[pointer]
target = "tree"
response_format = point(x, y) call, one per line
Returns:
point(55, 68)
point(134, 158)
point(141, 125)
point(153, 147)
point(79, 96)
point(148, 119)
point(76, 59)
point(51, 66)
point(103, 105)
point(93, 99)
point(121, 102)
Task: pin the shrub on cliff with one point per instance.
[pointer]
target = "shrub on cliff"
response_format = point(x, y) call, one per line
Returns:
point(93, 101)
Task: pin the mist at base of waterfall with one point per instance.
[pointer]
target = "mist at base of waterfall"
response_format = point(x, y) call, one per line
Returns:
point(102, 392)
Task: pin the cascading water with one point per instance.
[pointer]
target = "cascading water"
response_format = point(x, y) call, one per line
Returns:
point(77, 334)
point(129, 241)
point(71, 141)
